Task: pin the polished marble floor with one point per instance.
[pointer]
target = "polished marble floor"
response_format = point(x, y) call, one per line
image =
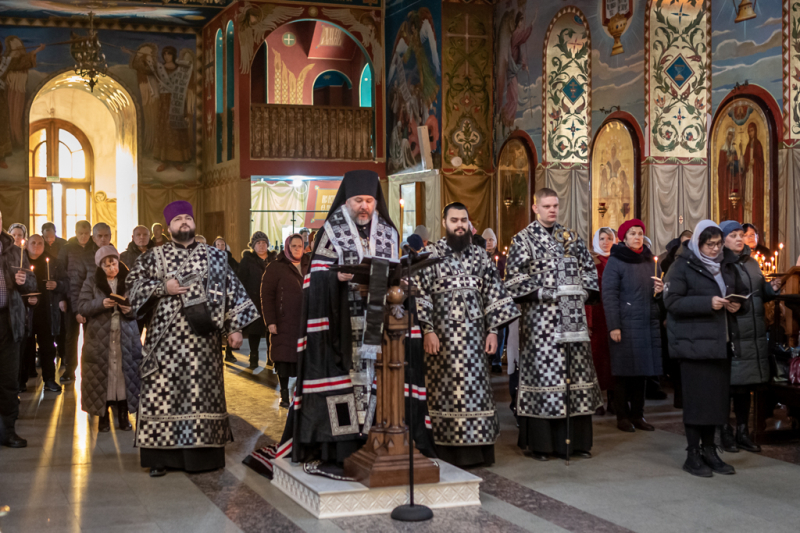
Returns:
point(71, 479)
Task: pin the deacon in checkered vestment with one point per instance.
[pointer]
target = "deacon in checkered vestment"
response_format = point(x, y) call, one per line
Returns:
point(461, 306)
point(182, 418)
point(552, 287)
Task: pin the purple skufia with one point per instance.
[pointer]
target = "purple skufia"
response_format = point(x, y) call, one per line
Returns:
point(179, 207)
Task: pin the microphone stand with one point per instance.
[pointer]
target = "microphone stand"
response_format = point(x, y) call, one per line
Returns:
point(410, 512)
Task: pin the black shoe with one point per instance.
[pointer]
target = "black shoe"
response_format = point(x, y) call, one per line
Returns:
point(67, 377)
point(695, 465)
point(581, 453)
point(14, 441)
point(122, 415)
point(158, 471)
point(33, 374)
point(600, 411)
point(23, 387)
point(540, 456)
point(743, 439)
point(727, 440)
point(104, 424)
point(641, 423)
point(657, 394)
point(497, 369)
point(284, 399)
point(715, 463)
point(230, 359)
point(625, 425)
point(253, 364)
point(52, 386)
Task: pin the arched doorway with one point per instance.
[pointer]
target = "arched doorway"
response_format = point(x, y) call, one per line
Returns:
point(515, 167)
point(615, 169)
point(743, 178)
point(99, 129)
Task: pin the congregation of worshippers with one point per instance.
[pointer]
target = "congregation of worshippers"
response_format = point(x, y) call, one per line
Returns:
point(580, 329)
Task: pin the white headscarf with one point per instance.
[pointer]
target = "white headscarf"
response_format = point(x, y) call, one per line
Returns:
point(596, 241)
point(711, 263)
point(488, 233)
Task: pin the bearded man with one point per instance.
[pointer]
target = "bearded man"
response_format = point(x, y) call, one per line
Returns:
point(462, 305)
point(195, 298)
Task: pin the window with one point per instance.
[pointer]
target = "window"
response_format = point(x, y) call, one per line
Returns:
point(59, 150)
point(365, 87)
point(229, 75)
point(218, 94)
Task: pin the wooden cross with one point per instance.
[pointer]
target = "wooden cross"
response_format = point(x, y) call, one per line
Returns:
point(215, 292)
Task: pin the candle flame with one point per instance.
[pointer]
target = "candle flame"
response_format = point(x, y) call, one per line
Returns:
point(780, 246)
point(47, 259)
point(402, 202)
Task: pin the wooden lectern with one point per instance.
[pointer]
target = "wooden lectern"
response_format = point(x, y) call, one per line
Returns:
point(384, 460)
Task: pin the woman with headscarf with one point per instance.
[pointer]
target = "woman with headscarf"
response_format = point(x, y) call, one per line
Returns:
point(499, 261)
point(750, 362)
point(630, 291)
point(700, 327)
point(251, 270)
point(19, 232)
point(281, 307)
point(603, 240)
point(112, 347)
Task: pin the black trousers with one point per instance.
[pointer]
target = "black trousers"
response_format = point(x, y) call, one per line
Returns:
point(42, 334)
point(740, 394)
point(629, 397)
point(9, 373)
point(71, 350)
point(61, 340)
point(254, 341)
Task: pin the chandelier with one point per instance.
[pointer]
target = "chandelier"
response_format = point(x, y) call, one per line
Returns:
point(90, 61)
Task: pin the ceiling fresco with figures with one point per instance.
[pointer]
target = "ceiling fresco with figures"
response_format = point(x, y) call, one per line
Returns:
point(169, 12)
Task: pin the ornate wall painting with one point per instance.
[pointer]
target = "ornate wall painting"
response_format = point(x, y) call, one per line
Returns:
point(616, 16)
point(467, 86)
point(513, 190)
point(740, 169)
point(791, 105)
point(613, 176)
point(567, 126)
point(414, 78)
point(513, 32)
point(677, 57)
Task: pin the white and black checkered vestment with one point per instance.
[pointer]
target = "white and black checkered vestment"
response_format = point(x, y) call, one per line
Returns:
point(537, 266)
point(462, 299)
point(182, 401)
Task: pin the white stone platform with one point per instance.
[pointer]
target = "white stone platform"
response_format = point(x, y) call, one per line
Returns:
point(329, 498)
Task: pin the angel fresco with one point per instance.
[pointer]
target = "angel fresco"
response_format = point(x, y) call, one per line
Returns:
point(413, 86)
point(255, 22)
point(511, 59)
point(14, 65)
point(171, 127)
point(148, 90)
point(367, 28)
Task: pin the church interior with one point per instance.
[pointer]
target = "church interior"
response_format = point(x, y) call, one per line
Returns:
point(667, 111)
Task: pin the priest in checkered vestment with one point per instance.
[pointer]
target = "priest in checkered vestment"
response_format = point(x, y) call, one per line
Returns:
point(196, 299)
point(553, 285)
point(341, 333)
point(462, 305)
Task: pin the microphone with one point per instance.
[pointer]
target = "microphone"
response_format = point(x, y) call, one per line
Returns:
point(409, 250)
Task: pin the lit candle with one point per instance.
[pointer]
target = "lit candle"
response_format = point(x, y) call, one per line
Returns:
point(655, 262)
point(21, 252)
point(47, 259)
point(495, 261)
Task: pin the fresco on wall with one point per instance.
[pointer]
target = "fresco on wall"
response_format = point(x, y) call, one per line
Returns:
point(617, 79)
point(678, 55)
point(511, 62)
point(740, 170)
point(791, 108)
point(126, 12)
point(414, 79)
point(158, 69)
point(748, 50)
point(467, 99)
point(613, 176)
point(513, 179)
point(568, 88)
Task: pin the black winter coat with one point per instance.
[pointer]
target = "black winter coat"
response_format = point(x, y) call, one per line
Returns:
point(96, 343)
point(282, 304)
point(630, 306)
point(55, 248)
point(132, 253)
point(17, 312)
point(79, 262)
point(750, 364)
point(251, 270)
point(694, 329)
point(232, 262)
point(47, 307)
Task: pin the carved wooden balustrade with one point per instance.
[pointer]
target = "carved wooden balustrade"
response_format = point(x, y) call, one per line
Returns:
point(311, 132)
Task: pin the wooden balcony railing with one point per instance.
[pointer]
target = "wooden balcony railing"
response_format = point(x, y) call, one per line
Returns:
point(311, 132)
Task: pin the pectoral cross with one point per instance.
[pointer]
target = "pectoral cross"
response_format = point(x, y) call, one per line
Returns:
point(216, 292)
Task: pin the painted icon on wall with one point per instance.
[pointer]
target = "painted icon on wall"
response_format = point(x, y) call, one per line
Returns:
point(513, 178)
point(613, 176)
point(740, 173)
